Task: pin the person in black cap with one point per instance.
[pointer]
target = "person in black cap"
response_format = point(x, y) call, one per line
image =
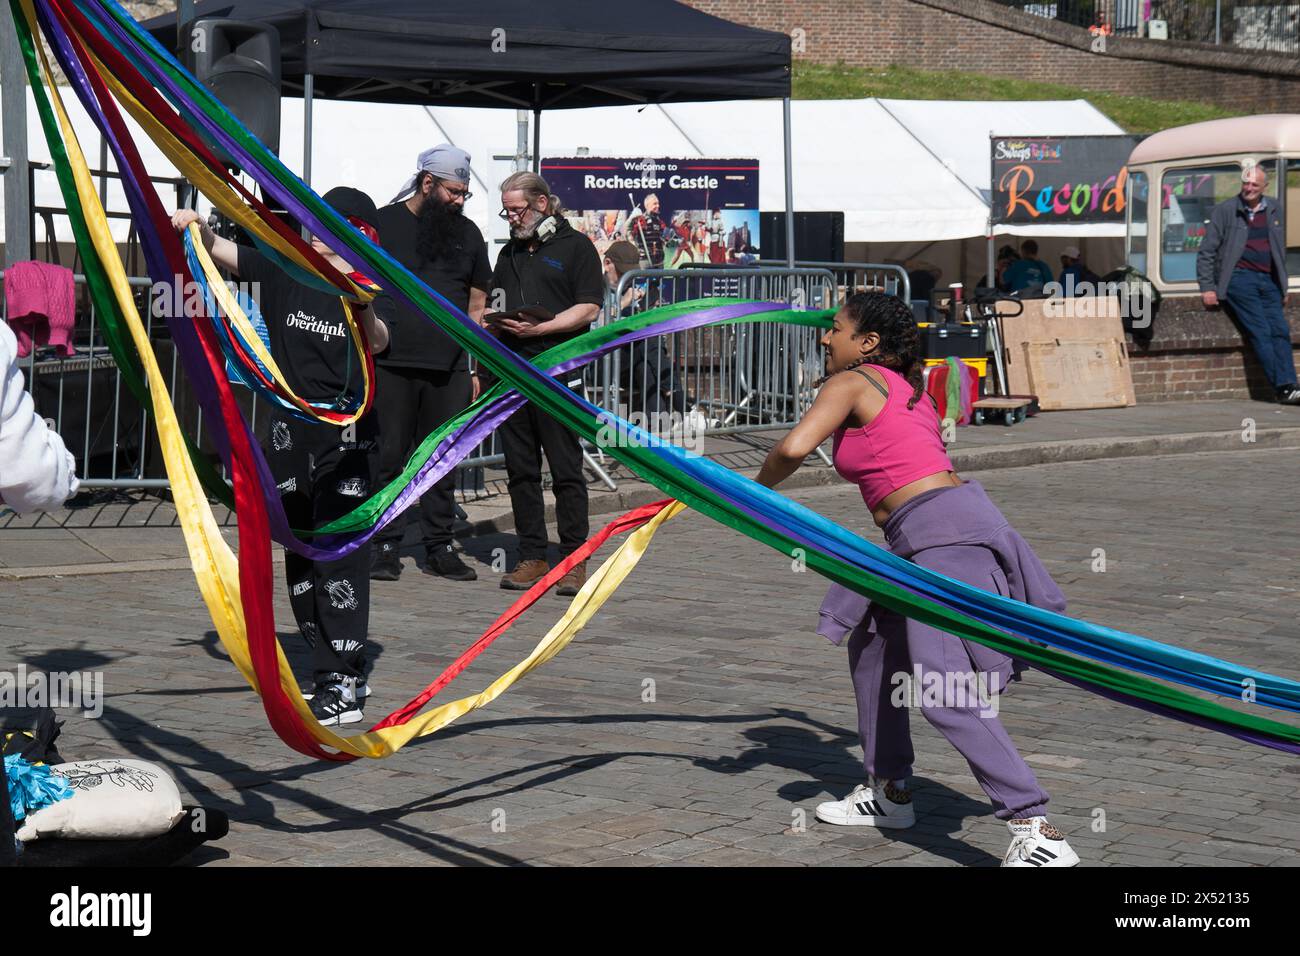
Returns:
point(423, 376)
point(322, 472)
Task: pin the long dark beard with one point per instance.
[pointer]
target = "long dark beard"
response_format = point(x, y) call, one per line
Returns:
point(437, 230)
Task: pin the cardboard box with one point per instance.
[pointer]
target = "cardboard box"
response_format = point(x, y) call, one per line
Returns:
point(1092, 370)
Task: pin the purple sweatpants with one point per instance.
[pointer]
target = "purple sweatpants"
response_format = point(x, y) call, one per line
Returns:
point(957, 532)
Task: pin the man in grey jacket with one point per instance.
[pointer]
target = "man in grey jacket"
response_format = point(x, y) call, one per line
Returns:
point(1243, 261)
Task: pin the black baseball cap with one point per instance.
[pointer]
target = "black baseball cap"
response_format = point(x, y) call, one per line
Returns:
point(352, 203)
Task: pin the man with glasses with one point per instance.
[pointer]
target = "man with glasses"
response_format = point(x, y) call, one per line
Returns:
point(552, 271)
point(423, 378)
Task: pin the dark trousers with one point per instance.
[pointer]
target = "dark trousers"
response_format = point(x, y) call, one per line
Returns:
point(409, 404)
point(1257, 302)
point(651, 380)
point(323, 472)
point(524, 437)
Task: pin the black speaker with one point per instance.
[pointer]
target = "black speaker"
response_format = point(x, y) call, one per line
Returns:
point(239, 62)
point(818, 236)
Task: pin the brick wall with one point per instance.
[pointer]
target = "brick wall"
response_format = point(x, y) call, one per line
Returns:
point(1198, 355)
point(984, 37)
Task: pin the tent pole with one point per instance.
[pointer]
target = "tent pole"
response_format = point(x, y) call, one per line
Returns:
point(13, 151)
point(993, 280)
point(789, 188)
point(521, 140)
point(537, 140)
point(308, 89)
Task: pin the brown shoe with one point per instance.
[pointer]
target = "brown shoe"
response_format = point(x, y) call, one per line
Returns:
point(572, 582)
point(525, 575)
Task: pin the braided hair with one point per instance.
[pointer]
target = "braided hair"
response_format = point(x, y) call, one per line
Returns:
point(899, 349)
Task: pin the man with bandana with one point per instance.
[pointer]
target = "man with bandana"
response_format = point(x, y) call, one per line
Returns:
point(423, 378)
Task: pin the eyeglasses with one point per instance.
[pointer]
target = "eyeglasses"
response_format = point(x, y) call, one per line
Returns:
point(464, 194)
point(507, 213)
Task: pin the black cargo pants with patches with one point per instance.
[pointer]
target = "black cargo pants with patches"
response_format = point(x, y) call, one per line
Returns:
point(322, 473)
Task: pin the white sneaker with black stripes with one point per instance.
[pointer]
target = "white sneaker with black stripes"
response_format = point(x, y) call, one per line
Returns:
point(867, 806)
point(1035, 842)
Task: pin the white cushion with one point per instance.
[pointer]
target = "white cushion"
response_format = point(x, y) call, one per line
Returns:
point(114, 799)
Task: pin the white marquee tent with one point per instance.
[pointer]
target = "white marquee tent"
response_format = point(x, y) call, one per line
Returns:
point(902, 171)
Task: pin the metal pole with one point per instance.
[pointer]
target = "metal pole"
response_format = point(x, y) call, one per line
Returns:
point(789, 188)
point(992, 265)
point(1218, 18)
point(521, 141)
point(184, 15)
point(13, 152)
point(537, 141)
point(308, 87)
point(103, 170)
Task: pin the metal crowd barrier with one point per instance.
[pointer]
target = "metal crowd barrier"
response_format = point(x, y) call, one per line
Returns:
point(729, 379)
point(108, 431)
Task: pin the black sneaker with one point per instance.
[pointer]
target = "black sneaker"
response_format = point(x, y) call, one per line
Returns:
point(362, 690)
point(335, 704)
point(1288, 395)
point(385, 562)
point(446, 563)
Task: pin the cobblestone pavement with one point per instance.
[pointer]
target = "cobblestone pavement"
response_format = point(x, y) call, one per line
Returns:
point(751, 721)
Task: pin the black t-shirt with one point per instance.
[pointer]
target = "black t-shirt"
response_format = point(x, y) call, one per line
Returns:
point(308, 331)
point(414, 340)
point(562, 272)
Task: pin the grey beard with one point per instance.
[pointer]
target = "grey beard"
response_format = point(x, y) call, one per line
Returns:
point(527, 232)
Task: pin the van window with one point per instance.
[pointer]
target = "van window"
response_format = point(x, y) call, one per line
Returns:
point(1292, 212)
point(1139, 186)
point(1188, 194)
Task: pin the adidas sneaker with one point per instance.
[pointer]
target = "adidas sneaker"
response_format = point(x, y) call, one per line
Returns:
point(1035, 842)
point(334, 704)
point(868, 806)
point(362, 690)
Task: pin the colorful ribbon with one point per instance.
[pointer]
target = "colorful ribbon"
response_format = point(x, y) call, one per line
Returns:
point(242, 612)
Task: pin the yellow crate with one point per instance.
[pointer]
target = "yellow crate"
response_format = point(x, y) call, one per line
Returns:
point(980, 365)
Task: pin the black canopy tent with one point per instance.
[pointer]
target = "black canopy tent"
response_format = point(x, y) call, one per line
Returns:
point(512, 53)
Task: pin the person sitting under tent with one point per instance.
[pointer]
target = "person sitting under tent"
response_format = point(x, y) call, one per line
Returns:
point(1028, 273)
point(1076, 278)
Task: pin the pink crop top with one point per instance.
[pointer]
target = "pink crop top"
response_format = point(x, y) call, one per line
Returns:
point(898, 446)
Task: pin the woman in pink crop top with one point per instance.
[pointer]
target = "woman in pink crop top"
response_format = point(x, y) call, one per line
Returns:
point(887, 441)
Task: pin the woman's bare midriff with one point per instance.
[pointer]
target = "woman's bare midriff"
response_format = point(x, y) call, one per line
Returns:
point(900, 496)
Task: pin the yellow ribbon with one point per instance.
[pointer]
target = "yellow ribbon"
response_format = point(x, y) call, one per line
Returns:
point(215, 565)
point(230, 305)
point(222, 195)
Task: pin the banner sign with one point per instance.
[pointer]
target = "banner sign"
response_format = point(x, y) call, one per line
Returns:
point(1053, 180)
point(679, 213)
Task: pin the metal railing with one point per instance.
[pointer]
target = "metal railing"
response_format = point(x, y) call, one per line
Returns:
point(1268, 25)
point(727, 379)
point(730, 379)
point(103, 425)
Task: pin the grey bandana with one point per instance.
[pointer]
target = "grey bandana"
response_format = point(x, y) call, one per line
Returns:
point(444, 161)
